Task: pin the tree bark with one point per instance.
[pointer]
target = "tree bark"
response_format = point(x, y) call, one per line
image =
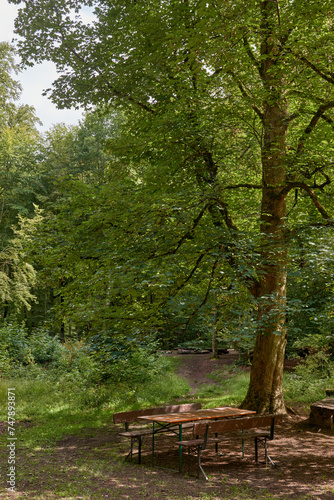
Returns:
point(265, 389)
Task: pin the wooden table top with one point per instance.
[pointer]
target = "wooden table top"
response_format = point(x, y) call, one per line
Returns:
point(193, 416)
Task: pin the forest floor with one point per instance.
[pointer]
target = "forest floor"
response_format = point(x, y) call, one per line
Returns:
point(90, 462)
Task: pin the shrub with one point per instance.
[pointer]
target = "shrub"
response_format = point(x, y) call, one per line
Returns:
point(132, 359)
point(14, 344)
point(310, 378)
point(4, 362)
point(18, 348)
point(44, 348)
point(313, 343)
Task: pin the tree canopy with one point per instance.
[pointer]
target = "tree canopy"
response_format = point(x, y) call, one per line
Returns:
point(221, 160)
point(19, 181)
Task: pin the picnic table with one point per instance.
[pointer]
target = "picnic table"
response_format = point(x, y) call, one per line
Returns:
point(169, 420)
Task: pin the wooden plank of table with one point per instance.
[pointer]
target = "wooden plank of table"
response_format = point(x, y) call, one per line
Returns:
point(193, 416)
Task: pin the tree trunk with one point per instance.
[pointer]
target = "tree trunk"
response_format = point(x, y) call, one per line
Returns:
point(215, 353)
point(265, 389)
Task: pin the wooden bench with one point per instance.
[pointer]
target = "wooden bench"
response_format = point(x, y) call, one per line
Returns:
point(128, 417)
point(237, 427)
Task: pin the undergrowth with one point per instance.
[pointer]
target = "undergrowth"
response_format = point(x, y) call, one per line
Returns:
point(310, 379)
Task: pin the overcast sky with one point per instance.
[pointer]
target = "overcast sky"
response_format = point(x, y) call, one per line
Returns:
point(34, 80)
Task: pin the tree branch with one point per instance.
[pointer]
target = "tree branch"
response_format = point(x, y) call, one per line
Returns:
point(251, 53)
point(247, 96)
point(192, 272)
point(245, 185)
point(305, 187)
point(311, 193)
point(311, 126)
point(329, 77)
point(328, 120)
point(317, 204)
point(82, 60)
point(215, 264)
point(188, 235)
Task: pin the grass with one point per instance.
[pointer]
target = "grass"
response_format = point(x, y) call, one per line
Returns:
point(55, 410)
point(230, 388)
point(310, 379)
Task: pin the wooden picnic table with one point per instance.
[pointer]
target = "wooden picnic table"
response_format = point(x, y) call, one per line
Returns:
point(171, 419)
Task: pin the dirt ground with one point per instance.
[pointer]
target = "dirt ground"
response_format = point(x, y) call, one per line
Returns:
point(303, 454)
point(304, 458)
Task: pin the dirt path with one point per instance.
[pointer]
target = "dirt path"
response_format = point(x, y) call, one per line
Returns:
point(197, 368)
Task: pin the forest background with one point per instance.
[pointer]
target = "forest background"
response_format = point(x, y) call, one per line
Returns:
point(191, 206)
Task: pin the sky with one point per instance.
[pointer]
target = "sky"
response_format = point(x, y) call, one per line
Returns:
point(34, 80)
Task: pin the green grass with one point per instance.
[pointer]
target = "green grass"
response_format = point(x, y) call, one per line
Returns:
point(230, 388)
point(55, 408)
point(310, 379)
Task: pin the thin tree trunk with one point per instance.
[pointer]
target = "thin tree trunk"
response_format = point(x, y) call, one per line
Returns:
point(215, 353)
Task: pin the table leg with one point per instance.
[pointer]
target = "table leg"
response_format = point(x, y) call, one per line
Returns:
point(180, 449)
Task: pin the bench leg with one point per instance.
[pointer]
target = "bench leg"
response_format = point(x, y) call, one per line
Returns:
point(265, 450)
point(267, 457)
point(130, 454)
point(199, 464)
point(200, 468)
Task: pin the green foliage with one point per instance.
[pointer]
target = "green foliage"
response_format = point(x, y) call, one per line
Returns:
point(131, 360)
point(17, 275)
point(315, 343)
point(20, 182)
point(310, 293)
point(4, 361)
point(18, 348)
point(19, 117)
point(14, 344)
point(129, 374)
point(44, 347)
point(139, 367)
point(310, 378)
point(73, 385)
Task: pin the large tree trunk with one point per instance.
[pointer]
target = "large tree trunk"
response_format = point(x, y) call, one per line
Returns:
point(265, 390)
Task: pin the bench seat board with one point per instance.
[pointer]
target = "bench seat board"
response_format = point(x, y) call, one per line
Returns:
point(137, 433)
point(196, 442)
point(147, 432)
